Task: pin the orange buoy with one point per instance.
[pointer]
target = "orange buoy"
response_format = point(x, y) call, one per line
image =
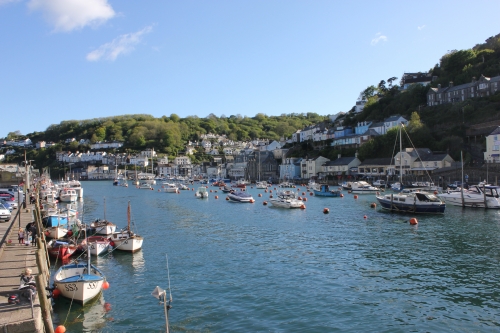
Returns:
point(270, 196)
point(105, 285)
point(264, 203)
point(355, 196)
point(365, 217)
point(210, 191)
point(373, 205)
point(56, 293)
point(303, 207)
point(260, 194)
point(300, 198)
point(192, 189)
point(265, 191)
point(311, 194)
point(252, 200)
point(341, 195)
point(227, 198)
point(303, 193)
point(435, 192)
point(304, 199)
point(216, 197)
point(60, 329)
point(270, 191)
point(413, 221)
point(163, 186)
point(326, 211)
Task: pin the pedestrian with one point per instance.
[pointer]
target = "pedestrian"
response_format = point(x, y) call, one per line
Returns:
point(33, 234)
point(20, 236)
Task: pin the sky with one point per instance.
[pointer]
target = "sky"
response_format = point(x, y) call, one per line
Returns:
point(82, 59)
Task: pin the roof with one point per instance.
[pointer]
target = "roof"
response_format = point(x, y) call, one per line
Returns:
point(376, 161)
point(341, 161)
point(433, 157)
point(496, 131)
point(393, 118)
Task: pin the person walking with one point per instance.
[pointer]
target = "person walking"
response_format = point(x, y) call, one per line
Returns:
point(33, 234)
point(20, 236)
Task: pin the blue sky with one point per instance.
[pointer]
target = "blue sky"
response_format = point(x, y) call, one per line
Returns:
point(81, 59)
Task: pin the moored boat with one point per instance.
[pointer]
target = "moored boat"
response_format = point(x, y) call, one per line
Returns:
point(323, 190)
point(287, 199)
point(80, 282)
point(240, 196)
point(486, 196)
point(126, 239)
point(201, 192)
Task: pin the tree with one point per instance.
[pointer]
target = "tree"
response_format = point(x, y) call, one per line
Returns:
point(415, 124)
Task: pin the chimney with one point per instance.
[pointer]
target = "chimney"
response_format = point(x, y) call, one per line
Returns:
point(439, 86)
point(451, 84)
point(338, 156)
point(356, 154)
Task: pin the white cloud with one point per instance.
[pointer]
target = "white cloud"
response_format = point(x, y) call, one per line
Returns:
point(121, 45)
point(421, 27)
point(378, 37)
point(68, 15)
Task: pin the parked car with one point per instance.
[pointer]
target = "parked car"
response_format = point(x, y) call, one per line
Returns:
point(6, 205)
point(6, 195)
point(5, 214)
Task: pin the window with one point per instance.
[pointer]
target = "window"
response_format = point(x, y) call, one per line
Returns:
point(496, 147)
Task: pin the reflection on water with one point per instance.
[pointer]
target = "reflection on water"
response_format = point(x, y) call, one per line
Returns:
point(91, 317)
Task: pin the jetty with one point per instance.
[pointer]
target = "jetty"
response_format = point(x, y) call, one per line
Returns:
point(15, 258)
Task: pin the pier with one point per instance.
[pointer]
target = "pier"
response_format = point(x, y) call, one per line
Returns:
point(15, 258)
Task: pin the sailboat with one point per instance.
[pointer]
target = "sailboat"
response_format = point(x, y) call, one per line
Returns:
point(103, 227)
point(407, 201)
point(126, 240)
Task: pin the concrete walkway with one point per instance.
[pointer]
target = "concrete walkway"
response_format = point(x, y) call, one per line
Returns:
point(14, 259)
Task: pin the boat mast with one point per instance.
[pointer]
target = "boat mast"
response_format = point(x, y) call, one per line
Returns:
point(128, 216)
point(104, 209)
point(462, 186)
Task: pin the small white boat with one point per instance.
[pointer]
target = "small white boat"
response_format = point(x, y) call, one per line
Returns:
point(201, 192)
point(95, 244)
point(362, 187)
point(103, 227)
point(80, 282)
point(286, 185)
point(68, 195)
point(182, 186)
point(287, 199)
point(240, 197)
point(170, 188)
point(126, 240)
point(56, 226)
point(145, 186)
point(261, 185)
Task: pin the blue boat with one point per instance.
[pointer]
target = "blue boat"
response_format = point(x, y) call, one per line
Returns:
point(324, 191)
point(54, 221)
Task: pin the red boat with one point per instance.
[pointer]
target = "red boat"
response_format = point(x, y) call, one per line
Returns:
point(61, 250)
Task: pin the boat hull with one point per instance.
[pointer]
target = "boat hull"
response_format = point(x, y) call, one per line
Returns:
point(420, 208)
point(74, 282)
point(124, 242)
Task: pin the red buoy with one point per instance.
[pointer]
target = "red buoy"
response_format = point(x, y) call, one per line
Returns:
point(373, 205)
point(264, 203)
point(56, 293)
point(60, 329)
point(355, 196)
point(105, 285)
point(413, 221)
point(326, 211)
point(216, 197)
point(303, 207)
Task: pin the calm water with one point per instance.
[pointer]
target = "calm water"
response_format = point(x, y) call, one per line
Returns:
point(254, 268)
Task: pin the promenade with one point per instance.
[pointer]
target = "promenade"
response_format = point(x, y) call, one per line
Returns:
point(14, 259)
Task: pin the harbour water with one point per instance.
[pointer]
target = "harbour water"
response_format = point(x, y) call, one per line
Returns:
point(252, 268)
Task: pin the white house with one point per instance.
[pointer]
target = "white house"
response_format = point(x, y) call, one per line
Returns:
point(181, 160)
point(311, 167)
point(492, 153)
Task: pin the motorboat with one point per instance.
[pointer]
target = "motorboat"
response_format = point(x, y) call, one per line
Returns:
point(77, 186)
point(476, 196)
point(412, 202)
point(181, 186)
point(56, 226)
point(170, 188)
point(379, 183)
point(346, 185)
point(227, 189)
point(68, 195)
point(80, 282)
point(126, 239)
point(324, 190)
point(201, 192)
point(286, 185)
point(287, 199)
point(362, 187)
point(240, 196)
